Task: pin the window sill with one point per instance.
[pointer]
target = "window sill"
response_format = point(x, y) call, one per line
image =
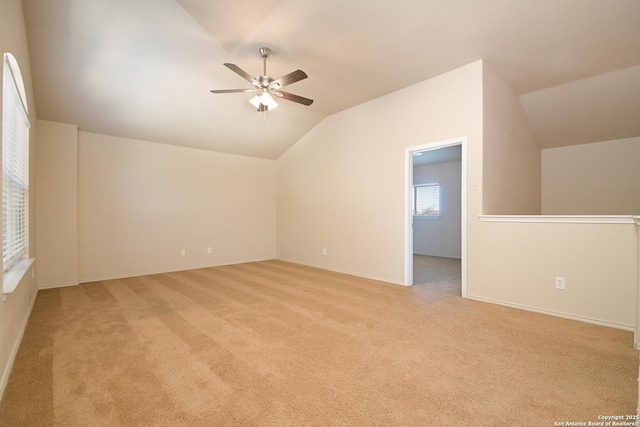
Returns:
point(15, 274)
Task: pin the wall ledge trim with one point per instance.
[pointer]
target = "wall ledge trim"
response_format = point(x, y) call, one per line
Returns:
point(563, 219)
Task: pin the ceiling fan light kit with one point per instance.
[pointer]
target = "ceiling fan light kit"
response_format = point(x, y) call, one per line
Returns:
point(265, 100)
point(267, 86)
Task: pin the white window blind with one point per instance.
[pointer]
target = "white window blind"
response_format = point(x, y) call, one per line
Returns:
point(15, 171)
point(426, 199)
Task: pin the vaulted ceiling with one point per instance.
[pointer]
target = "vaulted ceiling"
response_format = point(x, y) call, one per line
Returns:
point(143, 68)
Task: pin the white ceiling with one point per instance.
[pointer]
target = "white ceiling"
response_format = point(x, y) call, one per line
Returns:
point(600, 108)
point(439, 155)
point(143, 68)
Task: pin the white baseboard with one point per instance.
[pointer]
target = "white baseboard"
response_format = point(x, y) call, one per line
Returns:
point(149, 273)
point(57, 285)
point(14, 351)
point(590, 320)
point(351, 273)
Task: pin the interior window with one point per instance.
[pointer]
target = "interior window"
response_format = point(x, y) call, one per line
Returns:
point(15, 165)
point(426, 199)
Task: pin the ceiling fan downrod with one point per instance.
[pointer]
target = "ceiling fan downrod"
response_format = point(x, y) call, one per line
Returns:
point(264, 51)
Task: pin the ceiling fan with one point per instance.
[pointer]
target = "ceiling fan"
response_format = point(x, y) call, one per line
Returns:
point(266, 86)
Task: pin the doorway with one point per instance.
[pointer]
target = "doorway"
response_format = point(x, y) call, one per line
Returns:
point(445, 224)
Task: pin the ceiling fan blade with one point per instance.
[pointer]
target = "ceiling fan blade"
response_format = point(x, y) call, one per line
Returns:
point(293, 77)
point(291, 97)
point(234, 90)
point(239, 71)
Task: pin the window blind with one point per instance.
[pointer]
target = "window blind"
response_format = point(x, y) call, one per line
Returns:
point(15, 171)
point(427, 199)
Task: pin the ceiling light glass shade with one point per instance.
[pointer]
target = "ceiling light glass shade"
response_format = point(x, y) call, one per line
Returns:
point(264, 99)
point(255, 101)
point(268, 101)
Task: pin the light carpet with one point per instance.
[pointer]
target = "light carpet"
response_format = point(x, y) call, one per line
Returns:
point(278, 344)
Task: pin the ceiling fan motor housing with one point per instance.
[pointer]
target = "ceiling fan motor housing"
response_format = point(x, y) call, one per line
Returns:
point(264, 81)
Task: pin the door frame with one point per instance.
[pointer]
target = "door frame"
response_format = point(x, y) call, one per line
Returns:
point(408, 221)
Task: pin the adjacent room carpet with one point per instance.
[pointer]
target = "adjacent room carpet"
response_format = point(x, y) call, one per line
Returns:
point(278, 344)
point(440, 274)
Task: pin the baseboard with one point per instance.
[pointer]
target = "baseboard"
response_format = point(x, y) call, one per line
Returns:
point(150, 273)
point(57, 285)
point(16, 345)
point(556, 314)
point(351, 273)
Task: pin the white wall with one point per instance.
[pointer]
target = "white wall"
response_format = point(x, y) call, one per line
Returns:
point(440, 236)
point(593, 109)
point(140, 203)
point(342, 186)
point(601, 178)
point(15, 310)
point(511, 155)
point(112, 207)
point(57, 204)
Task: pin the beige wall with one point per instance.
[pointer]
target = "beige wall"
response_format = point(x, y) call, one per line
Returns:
point(342, 186)
point(520, 261)
point(57, 204)
point(15, 310)
point(515, 263)
point(511, 164)
point(140, 203)
point(601, 178)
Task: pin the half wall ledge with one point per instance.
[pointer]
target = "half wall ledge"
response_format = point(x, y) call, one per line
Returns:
point(583, 219)
point(567, 219)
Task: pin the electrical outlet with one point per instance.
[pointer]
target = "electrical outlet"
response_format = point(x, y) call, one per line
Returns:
point(560, 283)
point(183, 252)
point(209, 250)
point(324, 251)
